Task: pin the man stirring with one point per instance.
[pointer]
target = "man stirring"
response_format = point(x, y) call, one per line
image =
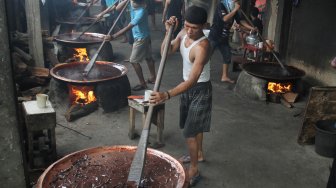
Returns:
point(196, 89)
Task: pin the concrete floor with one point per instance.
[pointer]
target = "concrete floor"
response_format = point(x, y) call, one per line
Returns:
point(251, 143)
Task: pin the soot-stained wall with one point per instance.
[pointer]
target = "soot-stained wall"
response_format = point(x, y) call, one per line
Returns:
point(11, 171)
point(312, 40)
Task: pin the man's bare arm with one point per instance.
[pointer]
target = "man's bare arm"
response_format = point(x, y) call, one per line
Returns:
point(121, 5)
point(246, 25)
point(232, 13)
point(122, 31)
point(175, 44)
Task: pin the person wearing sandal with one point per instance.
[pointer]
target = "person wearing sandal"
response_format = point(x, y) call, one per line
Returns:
point(142, 42)
point(196, 89)
point(226, 13)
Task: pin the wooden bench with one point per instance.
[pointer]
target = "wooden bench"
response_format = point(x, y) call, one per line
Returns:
point(157, 119)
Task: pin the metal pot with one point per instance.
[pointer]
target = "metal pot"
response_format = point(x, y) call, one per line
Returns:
point(74, 21)
point(252, 39)
point(70, 39)
point(102, 71)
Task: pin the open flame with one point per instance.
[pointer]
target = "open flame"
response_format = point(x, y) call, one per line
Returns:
point(81, 54)
point(82, 94)
point(279, 87)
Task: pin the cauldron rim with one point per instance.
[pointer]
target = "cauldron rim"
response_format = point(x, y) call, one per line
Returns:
point(79, 44)
point(298, 73)
point(83, 21)
point(177, 165)
point(53, 73)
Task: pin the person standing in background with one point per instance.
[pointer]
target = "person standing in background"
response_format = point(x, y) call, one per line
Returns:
point(195, 89)
point(113, 14)
point(173, 8)
point(142, 47)
point(225, 14)
point(151, 12)
point(261, 6)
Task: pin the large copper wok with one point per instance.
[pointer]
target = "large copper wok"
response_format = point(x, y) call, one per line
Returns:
point(96, 160)
point(102, 71)
point(72, 40)
point(272, 71)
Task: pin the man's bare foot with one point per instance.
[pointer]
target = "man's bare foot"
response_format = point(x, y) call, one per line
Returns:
point(228, 80)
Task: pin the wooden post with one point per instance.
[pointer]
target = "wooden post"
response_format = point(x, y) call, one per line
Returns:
point(12, 170)
point(34, 31)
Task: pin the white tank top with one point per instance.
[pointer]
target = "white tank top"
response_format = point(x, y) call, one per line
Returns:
point(187, 65)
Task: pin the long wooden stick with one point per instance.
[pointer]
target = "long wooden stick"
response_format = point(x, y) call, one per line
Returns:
point(85, 10)
point(94, 22)
point(136, 170)
point(94, 57)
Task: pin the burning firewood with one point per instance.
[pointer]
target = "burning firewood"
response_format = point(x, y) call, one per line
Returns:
point(290, 96)
point(40, 72)
point(285, 102)
point(78, 110)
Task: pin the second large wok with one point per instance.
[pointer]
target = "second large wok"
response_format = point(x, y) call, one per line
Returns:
point(102, 71)
point(72, 40)
point(272, 71)
point(74, 21)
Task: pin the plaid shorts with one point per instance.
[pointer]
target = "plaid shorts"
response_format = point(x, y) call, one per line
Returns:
point(195, 109)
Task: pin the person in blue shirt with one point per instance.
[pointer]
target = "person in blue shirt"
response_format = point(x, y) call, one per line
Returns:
point(142, 42)
point(112, 16)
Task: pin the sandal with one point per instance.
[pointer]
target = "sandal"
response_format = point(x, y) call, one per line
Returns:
point(139, 87)
point(186, 159)
point(195, 179)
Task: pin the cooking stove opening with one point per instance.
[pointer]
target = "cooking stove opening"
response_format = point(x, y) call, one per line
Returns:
point(81, 95)
point(279, 88)
point(281, 92)
point(82, 101)
point(76, 55)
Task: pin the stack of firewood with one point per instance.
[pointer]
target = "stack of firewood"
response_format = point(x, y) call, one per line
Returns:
point(30, 80)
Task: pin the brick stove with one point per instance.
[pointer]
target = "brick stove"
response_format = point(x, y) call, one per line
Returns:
point(280, 89)
point(107, 82)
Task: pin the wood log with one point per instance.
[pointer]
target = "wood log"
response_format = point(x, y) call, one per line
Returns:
point(26, 98)
point(19, 65)
point(40, 72)
point(285, 103)
point(290, 97)
point(32, 81)
point(77, 111)
point(18, 37)
point(32, 92)
point(27, 58)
